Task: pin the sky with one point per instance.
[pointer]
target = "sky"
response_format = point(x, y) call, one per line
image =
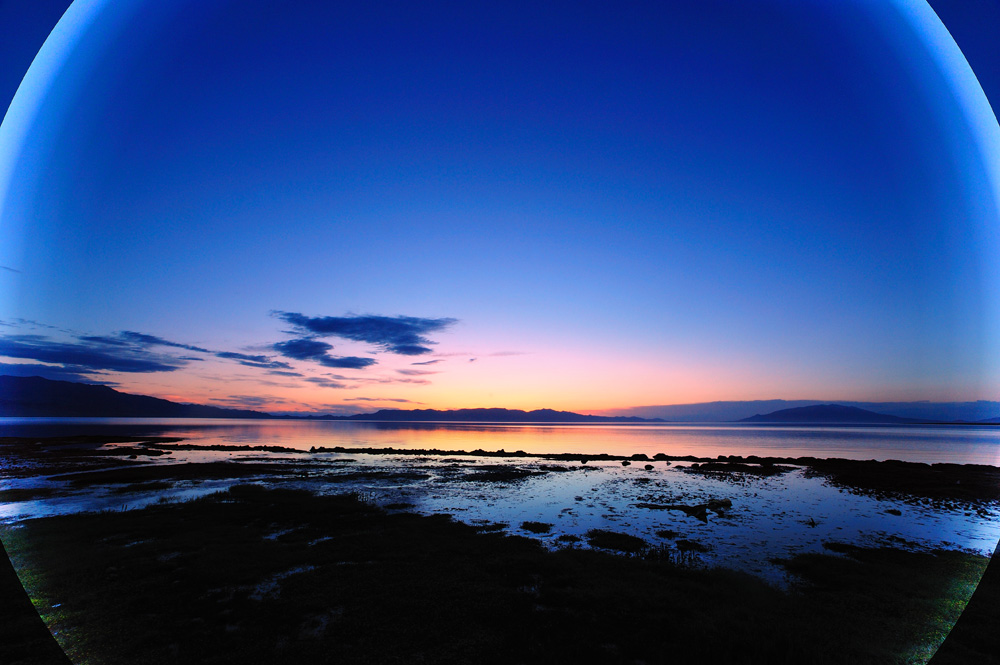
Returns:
point(582, 206)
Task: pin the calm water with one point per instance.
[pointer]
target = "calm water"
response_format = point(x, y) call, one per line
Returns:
point(770, 517)
point(914, 443)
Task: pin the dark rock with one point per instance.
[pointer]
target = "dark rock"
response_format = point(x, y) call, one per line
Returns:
point(536, 527)
point(612, 540)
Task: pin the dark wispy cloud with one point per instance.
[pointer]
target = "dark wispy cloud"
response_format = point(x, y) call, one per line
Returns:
point(326, 383)
point(74, 356)
point(303, 349)
point(9, 269)
point(130, 338)
point(54, 372)
point(29, 323)
point(153, 340)
point(263, 362)
point(334, 409)
point(318, 351)
point(103, 340)
point(380, 399)
point(136, 339)
point(356, 381)
point(85, 356)
point(404, 335)
point(253, 402)
point(123, 351)
point(231, 355)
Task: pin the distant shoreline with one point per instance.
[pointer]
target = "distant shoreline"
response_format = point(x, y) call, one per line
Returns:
point(37, 397)
point(707, 423)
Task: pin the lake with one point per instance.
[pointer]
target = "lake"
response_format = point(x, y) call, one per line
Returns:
point(960, 444)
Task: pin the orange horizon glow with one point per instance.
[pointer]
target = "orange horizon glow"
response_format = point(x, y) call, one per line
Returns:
point(461, 390)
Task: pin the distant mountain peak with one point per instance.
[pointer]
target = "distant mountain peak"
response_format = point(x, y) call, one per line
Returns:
point(827, 413)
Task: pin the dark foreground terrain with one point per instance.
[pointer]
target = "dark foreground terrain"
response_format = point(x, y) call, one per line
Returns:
point(255, 575)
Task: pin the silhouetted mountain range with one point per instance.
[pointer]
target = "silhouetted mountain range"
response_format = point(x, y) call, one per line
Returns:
point(495, 415)
point(828, 413)
point(35, 396)
point(40, 397)
point(981, 411)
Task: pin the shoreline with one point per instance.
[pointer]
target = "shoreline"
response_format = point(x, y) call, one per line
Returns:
point(285, 512)
point(712, 508)
point(973, 483)
point(295, 577)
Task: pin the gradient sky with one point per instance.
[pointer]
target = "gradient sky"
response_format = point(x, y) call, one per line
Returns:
point(578, 206)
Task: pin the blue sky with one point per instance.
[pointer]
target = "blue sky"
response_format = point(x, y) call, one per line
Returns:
point(608, 205)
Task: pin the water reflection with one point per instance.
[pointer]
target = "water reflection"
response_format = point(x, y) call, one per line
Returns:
point(761, 518)
point(923, 443)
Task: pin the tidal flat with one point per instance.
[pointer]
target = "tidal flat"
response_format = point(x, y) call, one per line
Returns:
point(189, 553)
